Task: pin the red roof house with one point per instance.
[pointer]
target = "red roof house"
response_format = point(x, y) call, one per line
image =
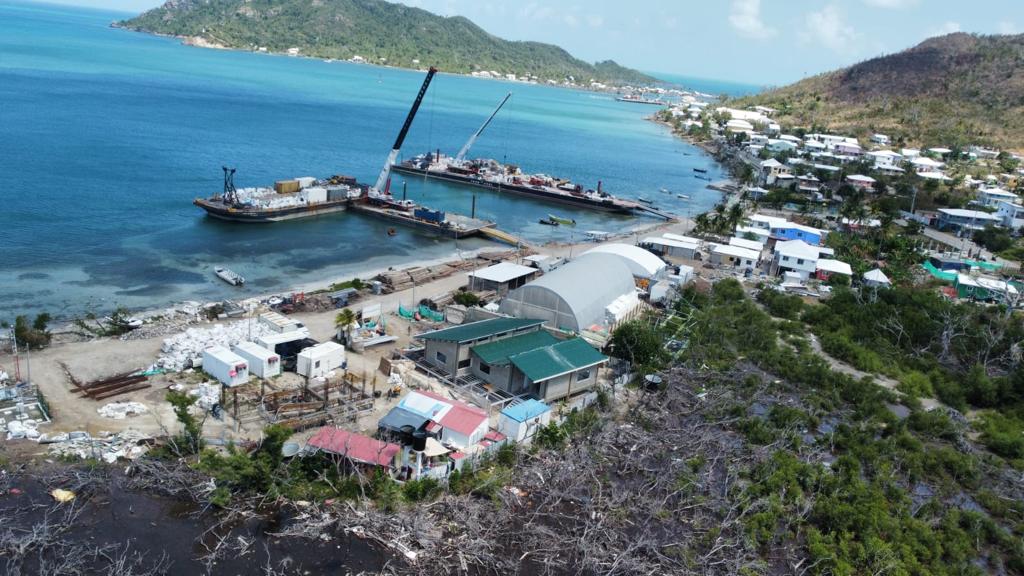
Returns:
point(356, 447)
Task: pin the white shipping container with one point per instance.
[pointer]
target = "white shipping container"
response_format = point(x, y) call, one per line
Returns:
point(262, 362)
point(314, 195)
point(279, 323)
point(317, 361)
point(228, 368)
point(306, 181)
point(271, 341)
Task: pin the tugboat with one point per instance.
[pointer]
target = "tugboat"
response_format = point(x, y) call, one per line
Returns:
point(233, 278)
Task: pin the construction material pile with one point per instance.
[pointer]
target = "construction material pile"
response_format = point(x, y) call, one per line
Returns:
point(121, 410)
point(22, 428)
point(129, 444)
point(185, 350)
point(166, 322)
point(397, 280)
point(207, 394)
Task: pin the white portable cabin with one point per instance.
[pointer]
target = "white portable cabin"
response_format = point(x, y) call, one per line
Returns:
point(271, 341)
point(228, 368)
point(280, 324)
point(317, 361)
point(521, 421)
point(262, 362)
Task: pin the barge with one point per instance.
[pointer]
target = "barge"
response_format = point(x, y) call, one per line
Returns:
point(492, 175)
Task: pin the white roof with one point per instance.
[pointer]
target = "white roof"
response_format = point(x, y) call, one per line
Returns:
point(861, 178)
point(940, 150)
point(797, 249)
point(223, 355)
point(934, 175)
point(794, 226)
point(322, 349)
point(884, 153)
point(835, 267)
point(771, 221)
point(926, 161)
point(877, 276)
point(537, 258)
point(737, 252)
point(790, 137)
point(255, 350)
point(641, 262)
point(985, 282)
point(753, 230)
point(680, 238)
point(771, 163)
point(813, 144)
point(973, 214)
point(739, 124)
point(503, 272)
point(744, 243)
point(998, 193)
point(655, 241)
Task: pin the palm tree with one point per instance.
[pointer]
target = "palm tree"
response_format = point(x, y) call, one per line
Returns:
point(343, 321)
point(736, 215)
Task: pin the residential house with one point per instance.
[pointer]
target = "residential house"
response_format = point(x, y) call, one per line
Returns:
point(748, 244)
point(925, 164)
point(669, 247)
point(985, 289)
point(521, 421)
point(454, 423)
point(780, 145)
point(795, 256)
point(876, 279)
point(1011, 214)
point(959, 219)
point(771, 169)
point(991, 197)
point(447, 350)
point(827, 267)
point(538, 365)
point(358, 450)
point(880, 139)
point(886, 159)
point(734, 256)
point(808, 183)
point(794, 231)
point(861, 181)
point(501, 277)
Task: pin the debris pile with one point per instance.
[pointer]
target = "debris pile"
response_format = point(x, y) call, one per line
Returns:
point(22, 428)
point(185, 350)
point(121, 410)
point(207, 394)
point(109, 447)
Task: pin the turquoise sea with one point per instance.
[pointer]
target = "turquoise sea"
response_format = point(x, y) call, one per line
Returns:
point(106, 136)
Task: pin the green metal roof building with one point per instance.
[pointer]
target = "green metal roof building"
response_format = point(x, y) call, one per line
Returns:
point(447, 350)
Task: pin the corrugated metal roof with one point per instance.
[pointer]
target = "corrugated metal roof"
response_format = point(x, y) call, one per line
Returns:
point(498, 352)
point(526, 410)
point(503, 272)
point(561, 358)
point(354, 446)
point(478, 330)
point(458, 416)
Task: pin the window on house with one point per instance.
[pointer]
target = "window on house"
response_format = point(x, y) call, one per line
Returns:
point(583, 374)
point(799, 260)
point(785, 258)
point(464, 363)
point(485, 368)
point(317, 364)
point(441, 358)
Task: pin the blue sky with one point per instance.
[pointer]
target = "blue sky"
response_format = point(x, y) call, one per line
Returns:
point(768, 42)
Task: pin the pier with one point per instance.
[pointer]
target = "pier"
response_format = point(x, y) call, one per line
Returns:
point(453, 225)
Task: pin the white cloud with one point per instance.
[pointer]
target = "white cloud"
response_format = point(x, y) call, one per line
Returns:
point(1007, 27)
point(535, 12)
point(947, 27)
point(827, 27)
point(571, 21)
point(745, 17)
point(897, 4)
point(595, 20)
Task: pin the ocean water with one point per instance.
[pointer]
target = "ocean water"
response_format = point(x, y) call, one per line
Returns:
point(711, 86)
point(108, 135)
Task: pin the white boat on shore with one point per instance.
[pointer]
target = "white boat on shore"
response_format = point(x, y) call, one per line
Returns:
point(233, 278)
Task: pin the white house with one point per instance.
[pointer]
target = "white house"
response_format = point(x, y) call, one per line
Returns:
point(926, 164)
point(1011, 214)
point(771, 169)
point(748, 244)
point(885, 158)
point(795, 256)
point(910, 153)
point(736, 125)
point(520, 422)
point(861, 181)
point(876, 279)
point(880, 139)
point(991, 197)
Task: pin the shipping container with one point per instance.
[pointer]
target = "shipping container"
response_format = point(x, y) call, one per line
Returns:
point(262, 362)
point(314, 195)
point(228, 368)
point(305, 181)
point(319, 360)
point(429, 215)
point(280, 324)
point(286, 186)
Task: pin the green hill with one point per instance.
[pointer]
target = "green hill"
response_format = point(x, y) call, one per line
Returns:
point(957, 89)
point(375, 30)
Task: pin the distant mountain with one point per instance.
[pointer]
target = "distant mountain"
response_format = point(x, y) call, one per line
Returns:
point(373, 29)
point(957, 89)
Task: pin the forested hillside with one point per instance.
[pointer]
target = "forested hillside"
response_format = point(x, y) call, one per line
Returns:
point(375, 30)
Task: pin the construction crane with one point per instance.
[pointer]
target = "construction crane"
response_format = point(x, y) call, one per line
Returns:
point(472, 139)
point(230, 193)
point(380, 189)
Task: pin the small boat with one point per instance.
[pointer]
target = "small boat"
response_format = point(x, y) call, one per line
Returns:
point(643, 200)
point(560, 220)
point(664, 190)
point(392, 231)
point(548, 222)
point(682, 196)
point(228, 276)
point(701, 170)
